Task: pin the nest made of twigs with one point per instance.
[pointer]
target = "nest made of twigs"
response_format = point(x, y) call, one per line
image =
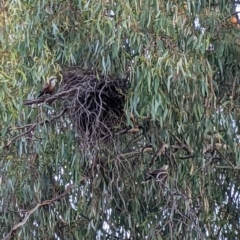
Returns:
point(95, 102)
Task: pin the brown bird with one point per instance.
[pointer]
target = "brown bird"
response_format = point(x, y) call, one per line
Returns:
point(48, 88)
point(159, 174)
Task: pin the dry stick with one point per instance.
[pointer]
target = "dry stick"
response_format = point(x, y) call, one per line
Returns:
point(33, 126)
point(30, 212)
point(48, 99)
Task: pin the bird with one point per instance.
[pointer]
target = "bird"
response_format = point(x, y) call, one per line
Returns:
point(159, 174)
point(48, 88)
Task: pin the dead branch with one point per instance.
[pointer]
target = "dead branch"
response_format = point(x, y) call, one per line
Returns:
point(49, 98)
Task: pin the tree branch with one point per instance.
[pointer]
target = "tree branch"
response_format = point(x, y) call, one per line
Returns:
point(33, 126)
point(48, 98)
point(30, 212)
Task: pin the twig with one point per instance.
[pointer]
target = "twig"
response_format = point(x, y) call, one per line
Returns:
point(218, 27)
point(30, 212)
point(181, 145)
point(33, 126)
point(229, 163)
point(137, 152)
point(47, 98)
point(18, 136)
point(160, 150)
point(10, 210)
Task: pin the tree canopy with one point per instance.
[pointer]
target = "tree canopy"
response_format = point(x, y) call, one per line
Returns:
point(140, 139)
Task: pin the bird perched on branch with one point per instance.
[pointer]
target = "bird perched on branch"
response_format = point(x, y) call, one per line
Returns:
point(159, 175)
point(48, 88)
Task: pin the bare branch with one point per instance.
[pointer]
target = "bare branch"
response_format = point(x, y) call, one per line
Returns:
point(30, 212)
point(33, 126)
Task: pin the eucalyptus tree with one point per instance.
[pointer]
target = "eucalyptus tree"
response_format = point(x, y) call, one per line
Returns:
point(140, 139)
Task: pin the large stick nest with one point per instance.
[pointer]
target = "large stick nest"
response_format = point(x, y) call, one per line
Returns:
point(95, 102)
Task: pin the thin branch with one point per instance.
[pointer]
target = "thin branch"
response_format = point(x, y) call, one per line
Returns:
point(30, 212)
point(48, 98)
point(160, 151)
point(219, 25)
point(230, 16)
point(182, 145)
point(138, 152)
point(33, 126)
point(10, 210)
point(229, 163)
point(18, 136)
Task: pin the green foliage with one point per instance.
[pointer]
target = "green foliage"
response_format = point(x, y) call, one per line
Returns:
point(184, 97)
